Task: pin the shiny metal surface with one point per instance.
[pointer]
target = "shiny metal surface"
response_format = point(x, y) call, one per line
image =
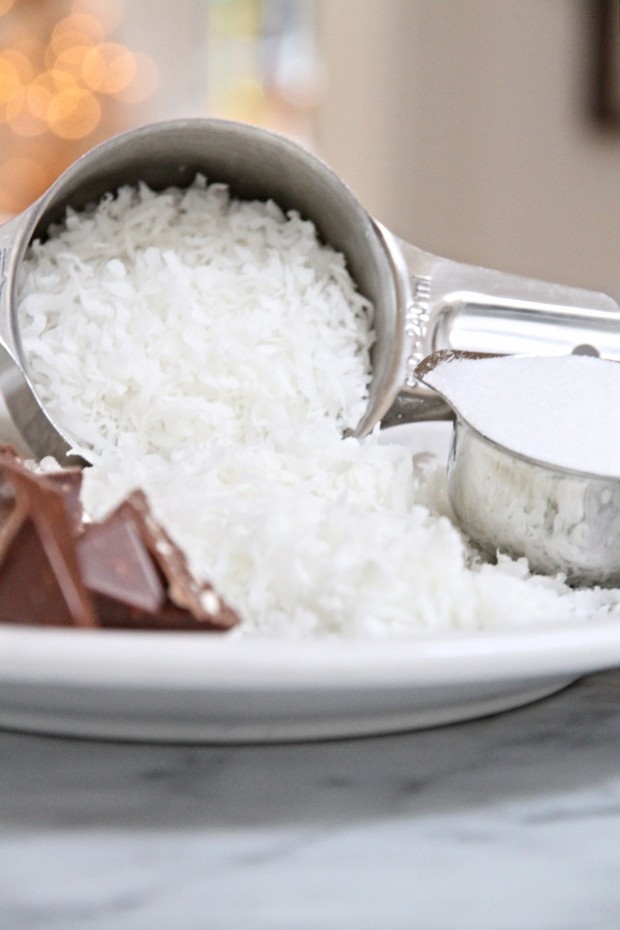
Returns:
point(422, 302)
point(560, 520)
point(256, 165)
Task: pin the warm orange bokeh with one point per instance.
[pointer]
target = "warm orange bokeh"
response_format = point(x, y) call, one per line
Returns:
point(73, 113)
point(109, 68)
point(64, 86)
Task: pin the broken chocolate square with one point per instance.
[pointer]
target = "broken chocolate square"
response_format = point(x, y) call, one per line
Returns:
point(129, 562)
point(40, 579)
point(115, 563)
point(69, 483)
point(184, 589)
point(124, 572)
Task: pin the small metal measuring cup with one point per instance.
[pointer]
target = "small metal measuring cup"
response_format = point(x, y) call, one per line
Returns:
point(561, 519)
point(422, 302)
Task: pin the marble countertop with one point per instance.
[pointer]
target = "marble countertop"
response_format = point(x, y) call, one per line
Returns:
point(510, 822)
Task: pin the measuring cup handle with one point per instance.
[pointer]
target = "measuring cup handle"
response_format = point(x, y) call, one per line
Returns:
point(450, 305)
point(23, 421)
point(458, 306)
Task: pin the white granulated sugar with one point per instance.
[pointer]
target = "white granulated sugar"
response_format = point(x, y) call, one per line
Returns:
point(213, 352)
point(563, 410)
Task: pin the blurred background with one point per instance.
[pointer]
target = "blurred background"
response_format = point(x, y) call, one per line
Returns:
point(485, 131)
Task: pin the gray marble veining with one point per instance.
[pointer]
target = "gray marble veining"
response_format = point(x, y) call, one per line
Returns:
point(509, 823)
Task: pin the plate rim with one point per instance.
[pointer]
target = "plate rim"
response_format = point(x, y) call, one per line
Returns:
point(138, 659)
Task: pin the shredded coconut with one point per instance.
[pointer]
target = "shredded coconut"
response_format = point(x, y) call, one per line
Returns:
point(213, 352)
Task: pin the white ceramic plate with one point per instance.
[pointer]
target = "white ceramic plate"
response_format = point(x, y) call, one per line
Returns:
point(196, 687)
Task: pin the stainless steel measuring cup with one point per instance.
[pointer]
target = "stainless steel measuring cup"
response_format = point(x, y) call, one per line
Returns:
point(423, 302)
point(560, 519)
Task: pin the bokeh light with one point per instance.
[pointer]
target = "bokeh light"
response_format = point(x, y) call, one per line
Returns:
point(70, 59)
point(65, 84)
point(108, 68)
point(74, 72)
point(78, 29)
point(10, 82)
point(42, 90)
point(73, 113)
point(20, 117)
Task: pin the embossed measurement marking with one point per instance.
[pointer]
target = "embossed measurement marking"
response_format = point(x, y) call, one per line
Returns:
point(416, 322)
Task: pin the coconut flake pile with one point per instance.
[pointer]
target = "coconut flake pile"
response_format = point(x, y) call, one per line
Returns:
point(213, 352)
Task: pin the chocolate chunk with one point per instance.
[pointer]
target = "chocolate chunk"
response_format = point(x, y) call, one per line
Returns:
point(40, 578)
point(114, 614)
point(141, 578)
point(124, 572)
point(69, 483)
point(10, 453)
point(184, 589)
point(7, 492)
point(116, 564)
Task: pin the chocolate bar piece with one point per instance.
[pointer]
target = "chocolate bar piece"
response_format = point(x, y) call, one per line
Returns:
point(69, 483)
point(40, 580)
point(125, 572)
point(184, 589)
point(140, 578)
